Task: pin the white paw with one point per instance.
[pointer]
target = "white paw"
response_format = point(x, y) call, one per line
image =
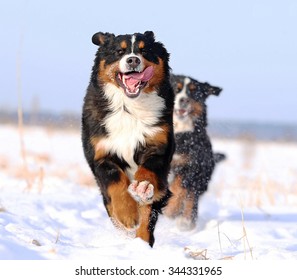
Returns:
point(142, 191)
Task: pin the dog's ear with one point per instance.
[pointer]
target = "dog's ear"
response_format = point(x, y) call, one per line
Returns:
point(211, 90)
point(101, 38)
point(150, 35)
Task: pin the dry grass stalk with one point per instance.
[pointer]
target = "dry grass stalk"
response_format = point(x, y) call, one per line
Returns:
point(227, 258)
point(20, 118)
point(196, 255)
point(219, 235)
point(57, 237)
point(85, 179)
point(36, 242)
point(3, 163)
point(244, 237)
point(40, 179)
point(249, 150)
point(39, 157)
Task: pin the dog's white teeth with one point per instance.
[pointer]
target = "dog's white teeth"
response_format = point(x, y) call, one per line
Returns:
point(135, 92)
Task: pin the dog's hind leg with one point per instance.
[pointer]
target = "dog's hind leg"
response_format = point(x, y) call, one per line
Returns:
point(175, 203)
point(187, 221)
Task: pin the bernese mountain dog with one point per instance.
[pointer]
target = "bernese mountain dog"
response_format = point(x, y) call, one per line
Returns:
point(127, 128)
point(194, 161)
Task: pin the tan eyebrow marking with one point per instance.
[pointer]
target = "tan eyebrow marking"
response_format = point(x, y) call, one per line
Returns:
point(192, 87)
point(179, 86)
point(124, 45)
point(141, 45)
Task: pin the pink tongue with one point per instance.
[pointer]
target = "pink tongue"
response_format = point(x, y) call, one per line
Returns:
point(181, 112)
point(134, 78)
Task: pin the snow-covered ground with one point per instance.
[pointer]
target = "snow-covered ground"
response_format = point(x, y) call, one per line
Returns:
point(50, 207)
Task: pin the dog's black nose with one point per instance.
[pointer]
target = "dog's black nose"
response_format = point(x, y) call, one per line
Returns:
point(133, 61)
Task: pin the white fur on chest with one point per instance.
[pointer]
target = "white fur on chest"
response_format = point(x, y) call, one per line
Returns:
point(183, 125)
point(130, 121)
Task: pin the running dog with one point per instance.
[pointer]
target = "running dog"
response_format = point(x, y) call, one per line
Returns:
point(194, 161)
point(127, 128)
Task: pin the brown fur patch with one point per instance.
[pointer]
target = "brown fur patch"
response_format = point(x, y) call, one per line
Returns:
point(123, 45)
point(192, 87)
point(158, 77)
point(179, 160)
point(122, 207)
point(179, 86)
point(197, 109)
point(141, 45)
point(161, 137)
point(101, 39)
point(143, 174)
point(107, 73)
point(188, 206)
point(175, 202)
point(143, 230)
point(100, 151)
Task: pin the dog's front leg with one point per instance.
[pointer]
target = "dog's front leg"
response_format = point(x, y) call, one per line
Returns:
point(114, 183)
point(146, 189)
point(150, 185)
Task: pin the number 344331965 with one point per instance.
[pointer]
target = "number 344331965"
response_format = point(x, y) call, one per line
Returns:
point(189, 270)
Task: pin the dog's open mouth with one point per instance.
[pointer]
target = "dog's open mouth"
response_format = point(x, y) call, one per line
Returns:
point(133, 82)
point(182, 113)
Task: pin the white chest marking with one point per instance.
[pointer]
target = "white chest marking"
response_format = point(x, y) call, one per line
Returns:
point(130, 122)
point(182, 125)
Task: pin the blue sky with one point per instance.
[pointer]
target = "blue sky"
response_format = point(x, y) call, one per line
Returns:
point(249, 48)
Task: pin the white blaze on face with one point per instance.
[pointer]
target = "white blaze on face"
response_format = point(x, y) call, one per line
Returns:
point(182, 124)
point(124, 67)
point(181, 94)
point(132, 43)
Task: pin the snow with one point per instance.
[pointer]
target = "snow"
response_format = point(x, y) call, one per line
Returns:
point(50, 207)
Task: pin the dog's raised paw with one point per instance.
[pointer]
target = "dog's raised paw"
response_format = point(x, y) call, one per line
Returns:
point(142, 191)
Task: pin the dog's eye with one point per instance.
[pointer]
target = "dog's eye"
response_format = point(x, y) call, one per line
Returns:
point(120, 51)
point(143, 51)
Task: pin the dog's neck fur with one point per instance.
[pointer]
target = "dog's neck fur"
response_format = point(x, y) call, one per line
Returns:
point(188, 124)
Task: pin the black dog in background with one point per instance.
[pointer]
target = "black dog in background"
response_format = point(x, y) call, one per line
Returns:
point(194, 161)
